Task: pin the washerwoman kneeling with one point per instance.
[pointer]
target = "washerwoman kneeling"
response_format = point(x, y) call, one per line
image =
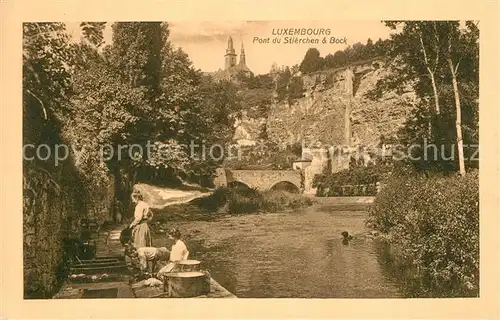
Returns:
point(178, 253)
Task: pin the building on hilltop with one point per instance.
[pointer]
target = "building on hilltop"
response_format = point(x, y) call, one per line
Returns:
point(231, 69)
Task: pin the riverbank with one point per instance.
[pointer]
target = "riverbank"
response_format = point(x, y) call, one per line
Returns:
point(433, 225)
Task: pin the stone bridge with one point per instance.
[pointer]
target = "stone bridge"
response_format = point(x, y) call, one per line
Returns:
point(263, 180)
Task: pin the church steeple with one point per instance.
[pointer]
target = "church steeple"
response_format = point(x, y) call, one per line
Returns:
point(230, 56)
point(242, 55)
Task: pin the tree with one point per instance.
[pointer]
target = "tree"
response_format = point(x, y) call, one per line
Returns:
point(46, 73)
point(330, 61)
point(369, 48)
point(261, 81)
point(381, 47)
point(282, 83)
point(311, 62)
point(457, 46)
point(47, 55)
point(340, 58)
point(93, 32)
point(138, 91)
point(424, 55)
point(420, 29)
point(357, 52)
point(136, 53)
point(295, 89)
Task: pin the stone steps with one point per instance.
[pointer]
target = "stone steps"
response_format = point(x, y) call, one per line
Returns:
point(107, 276)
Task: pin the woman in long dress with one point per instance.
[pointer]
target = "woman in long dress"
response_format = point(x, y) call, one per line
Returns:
point(141, 235)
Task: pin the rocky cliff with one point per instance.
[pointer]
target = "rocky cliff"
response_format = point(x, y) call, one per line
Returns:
point(330, 98)
point(247, 130)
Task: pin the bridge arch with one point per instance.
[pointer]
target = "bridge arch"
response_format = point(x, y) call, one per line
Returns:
point(286, 186)
point(237, 185)
point(259, 179)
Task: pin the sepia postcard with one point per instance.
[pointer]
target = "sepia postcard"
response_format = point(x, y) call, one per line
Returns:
point(246, 159)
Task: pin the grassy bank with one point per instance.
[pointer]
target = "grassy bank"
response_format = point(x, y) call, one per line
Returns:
point(242, 200)
point(434, 224)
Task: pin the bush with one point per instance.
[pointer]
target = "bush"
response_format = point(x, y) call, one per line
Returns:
point(434, 222)
point(215, 200)
point(243, 200)
point(246, 200)
point(278, 200)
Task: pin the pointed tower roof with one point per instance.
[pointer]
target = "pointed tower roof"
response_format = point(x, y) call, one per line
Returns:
point(230, 47)
point(243, 65)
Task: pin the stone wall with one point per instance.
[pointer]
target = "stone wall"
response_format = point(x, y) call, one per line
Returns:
point(320, 158)
point(53, 203)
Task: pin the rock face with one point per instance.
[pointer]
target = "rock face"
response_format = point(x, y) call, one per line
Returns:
point(247, 130)
point(372, 119)
point(330, 98)
point(335, 120)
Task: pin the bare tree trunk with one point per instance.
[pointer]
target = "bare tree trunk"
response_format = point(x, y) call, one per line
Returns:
point(434, 89)
point(458, 122)
point(431, 74)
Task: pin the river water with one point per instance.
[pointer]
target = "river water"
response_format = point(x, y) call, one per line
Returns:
point(296, 254)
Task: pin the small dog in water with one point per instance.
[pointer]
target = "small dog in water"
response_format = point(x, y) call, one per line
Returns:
point(346, 237)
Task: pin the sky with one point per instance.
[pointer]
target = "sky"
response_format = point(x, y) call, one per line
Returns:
point(206, 41)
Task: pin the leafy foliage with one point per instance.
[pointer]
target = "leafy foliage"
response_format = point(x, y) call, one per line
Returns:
point(295, 89)
point(261, 81)
point(256, 102)
point(313, 62)
point(47, 62)
point(246, 200)
point(139, 93)
point(164, 105)
point(93, 32)
point(435, 224)
point(417, 60)
point(46, 74)
point(283, 78)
